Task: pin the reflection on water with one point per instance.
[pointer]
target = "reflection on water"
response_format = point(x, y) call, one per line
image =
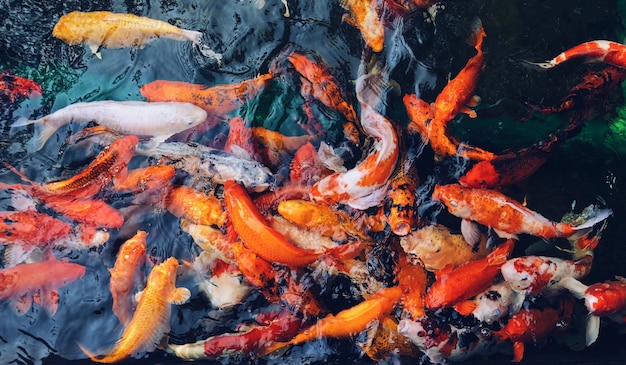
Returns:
point(250, 35)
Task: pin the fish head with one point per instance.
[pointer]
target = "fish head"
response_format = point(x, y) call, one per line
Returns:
point(452, 197)
point(482, 175)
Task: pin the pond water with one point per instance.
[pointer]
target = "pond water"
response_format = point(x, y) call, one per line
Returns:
point(250, 36)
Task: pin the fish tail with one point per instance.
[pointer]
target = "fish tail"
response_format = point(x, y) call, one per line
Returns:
point(538, 66)
point(193, 35)
point(598, 216)
point(478, 35)
point(23, 121)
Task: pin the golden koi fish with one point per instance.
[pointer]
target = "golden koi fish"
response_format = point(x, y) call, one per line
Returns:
point(111, 30)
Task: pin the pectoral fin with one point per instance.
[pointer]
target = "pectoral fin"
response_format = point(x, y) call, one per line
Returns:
point(94, 49)
point(22, 303)
point(180, 296)
point(49, 300)
point(470, 232)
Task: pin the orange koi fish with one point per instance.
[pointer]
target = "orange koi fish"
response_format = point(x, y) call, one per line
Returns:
point(323, 85)
point(256, 233)
point(20, 282)
point(110, 163)
point(436, 247)
point(533, 325)
point(199, 208)
point(276, 144)
point(13, 87)
point(125, 273)
point(433, 125)
point(111, 30)
point(400, 199)
point(325, 219)
point(467, 280)
point(601, 299)
point(609, 52)
point(348, 322)
point(151, 178)
point(30, 228)
point(365, 185)
point(306, 167)
point(217, 101)
point(412, 278)
point(151, 319)
point(506, 216)
point(364, 15)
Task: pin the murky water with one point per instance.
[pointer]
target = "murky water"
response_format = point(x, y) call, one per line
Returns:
point(250, 35)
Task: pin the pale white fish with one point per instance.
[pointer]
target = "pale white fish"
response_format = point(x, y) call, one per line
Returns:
point(217, 165)
point(159, 120)
point(224, 289)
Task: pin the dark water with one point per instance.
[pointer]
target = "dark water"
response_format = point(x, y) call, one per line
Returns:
point(250, 35)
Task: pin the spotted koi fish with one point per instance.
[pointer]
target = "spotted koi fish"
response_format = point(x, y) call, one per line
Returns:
point(605, 51)
point(13, 87)
point(195, 206)
point(111, 30)
point(400, 201)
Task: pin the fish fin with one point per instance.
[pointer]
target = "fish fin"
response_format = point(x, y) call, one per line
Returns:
point(501, 253)
point(470, 232)
point(599, 216)
point(22, 200)
point(478, 34)
point(470, 113)
point(370, 200)
point(506, 235)
point(517, 302)
point(94, 50)
point(193, 35)
point(23, 121)
point(330, 159)
point(518, 351)
point(16, 254)
point(180, 296)
point(573, 286)
point(49, 300)
point(466, 307)
point(473, 102)
point(538, 65)
point(22, 304)
point(592, 330)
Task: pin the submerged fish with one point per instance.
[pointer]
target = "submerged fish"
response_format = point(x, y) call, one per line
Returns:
point(605, 51)
point(12, 87)
point(157, 120)
point(112, 30)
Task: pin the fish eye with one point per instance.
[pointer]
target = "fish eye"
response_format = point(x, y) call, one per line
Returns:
point(421, 333)
point(454, 203)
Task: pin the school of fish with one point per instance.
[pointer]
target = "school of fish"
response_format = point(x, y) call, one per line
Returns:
point(269, 241)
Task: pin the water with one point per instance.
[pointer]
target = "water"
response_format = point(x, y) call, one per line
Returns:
point(250, 35)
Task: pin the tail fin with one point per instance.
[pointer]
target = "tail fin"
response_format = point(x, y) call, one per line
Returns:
point(594, 218)
point(478, 35)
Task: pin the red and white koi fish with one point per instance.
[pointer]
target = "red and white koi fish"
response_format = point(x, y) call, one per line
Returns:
point(505, 216)
point(533, 325)
point(601, 299)
point(536, 274)
point(158, 120)
point(42, 279)
point(609, 52)
point(111, 30)
point(494, 303)
point(151, 319)
point(125, 274)
point(222, 282)
point(467, 280)
point(365, 185)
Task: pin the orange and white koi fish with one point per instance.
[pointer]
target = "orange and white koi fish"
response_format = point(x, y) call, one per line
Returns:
point(13, 87)
point(537, 274)
point(436, 247)
point(432, 124)
point(222, 282)
point(199, 208)
point(348, 322)
point(365, 185)
point(601, 299)
point(125, 274)
point(151, 319)
point(217, 101)
point(156, 120)
point(20, 282)
point(467, 280)
point(323, 85)
point(531, 325)
point(365, 16)
point(112, 30)
point(506, 216)
point(111, 163)
point(609, 52)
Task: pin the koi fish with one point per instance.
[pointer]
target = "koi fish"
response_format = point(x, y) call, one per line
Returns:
point(306, 167)
point(385, 341)
point(533, 325)
point(536, 274)
point(605, 51)
point(125, 274)
point(467, 280)
point(20, 282)
point(493, 304)
point(325, 219)
point(275, 145)
point(400, 199)
point(112, 30)
point(112, 162)
point(31, 229)
point(222, 282)
point(444, 342)
point(151, 178)
point(601, 299)
point(240, 141)
point(437, 248)
point(209, 239)
point(13, 87)
point(505, 216)
point(151, 319)
point(217, 165)
point(217, 101)
point(157, 120)
point(348, 322)
point(412, 278)
point(364, 16)
point(199, 208)
point(323, 85)
point(250, 342)
point(364, 185)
